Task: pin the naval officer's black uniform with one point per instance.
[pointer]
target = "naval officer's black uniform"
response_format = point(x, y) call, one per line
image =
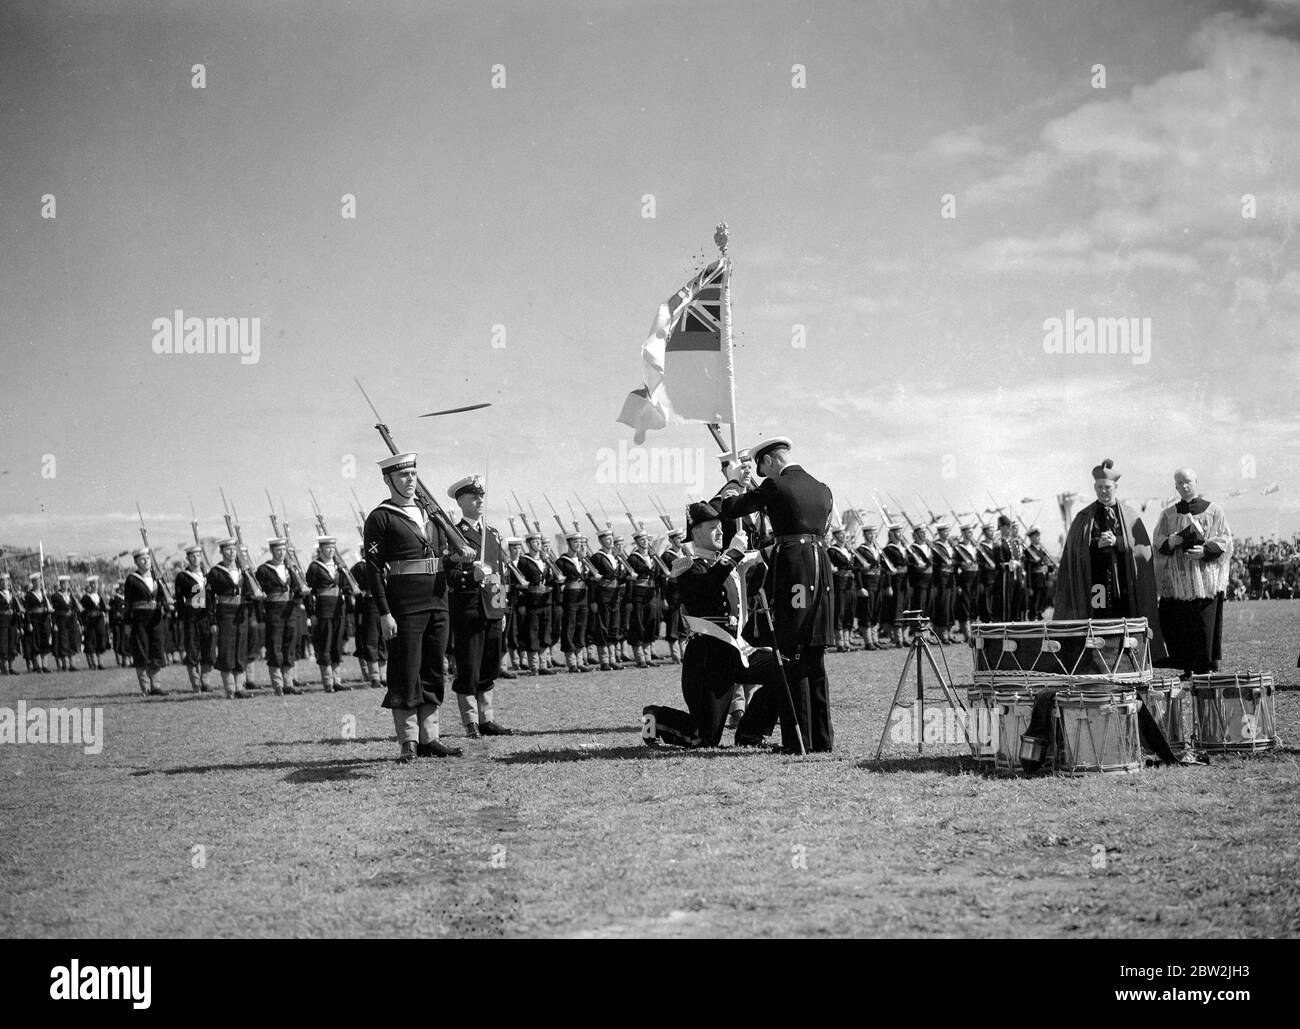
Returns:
point(711, 667)
point(798, 507)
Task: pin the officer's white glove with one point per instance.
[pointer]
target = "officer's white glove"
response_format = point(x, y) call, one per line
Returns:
point(740, 541)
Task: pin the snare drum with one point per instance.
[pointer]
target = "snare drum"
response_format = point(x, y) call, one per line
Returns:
point(1233, 712)
point(983, 721)
point(1097, 731)
point(1168, 700)
point(1115, 650)
point(1012, 710)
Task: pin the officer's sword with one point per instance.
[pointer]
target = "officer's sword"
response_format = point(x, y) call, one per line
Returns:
point(451, 410)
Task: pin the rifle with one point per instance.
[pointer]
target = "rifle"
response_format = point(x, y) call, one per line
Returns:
point(617, 551)
point(956, 518)
point(663, 513)
point(639, 527)
point(979, 515)
point(933, 518)
point(578, 529)
point(558, 520)
point(617, 546)
point(360, 517)
point(290, 551)
point(608, 528)
point(153, 563)
point(523, 515)
point(432, 509)
point(46, 606)
point(853, 546)
point(910, 524)
point(884, 520)
point(546, 544)
point(1023, 524)
point(628, 511)
point(587, 511)
point(296, 579)
point(194, 528)
point(563, 531)
point(242, 560)
point(349, 583)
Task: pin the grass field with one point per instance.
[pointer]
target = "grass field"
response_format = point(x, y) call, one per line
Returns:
point(289, 817)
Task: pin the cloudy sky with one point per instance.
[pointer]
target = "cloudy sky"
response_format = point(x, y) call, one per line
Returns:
point(523, 207)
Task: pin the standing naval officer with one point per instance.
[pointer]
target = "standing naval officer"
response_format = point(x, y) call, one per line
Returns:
point(799, 509)
point(412, 600)
point(479, 600)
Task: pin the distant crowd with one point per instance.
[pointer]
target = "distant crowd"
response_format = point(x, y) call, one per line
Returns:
point(1265, 570)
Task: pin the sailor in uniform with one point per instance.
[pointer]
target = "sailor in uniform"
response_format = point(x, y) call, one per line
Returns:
point(405, 553)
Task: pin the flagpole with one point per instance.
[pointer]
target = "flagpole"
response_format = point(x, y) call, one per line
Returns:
point(721, 238)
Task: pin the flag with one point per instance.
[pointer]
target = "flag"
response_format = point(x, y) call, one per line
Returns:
point(683, 366)
point(1065, 501)
point(642, 414)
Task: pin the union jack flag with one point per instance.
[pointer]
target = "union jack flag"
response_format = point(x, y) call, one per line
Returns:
point(683, 365)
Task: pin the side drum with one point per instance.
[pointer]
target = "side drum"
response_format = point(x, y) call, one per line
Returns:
point(1107, 650)
point(1097, 731)
point(1234, 712)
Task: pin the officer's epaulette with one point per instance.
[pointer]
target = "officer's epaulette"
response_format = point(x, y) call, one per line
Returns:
point(682, 564)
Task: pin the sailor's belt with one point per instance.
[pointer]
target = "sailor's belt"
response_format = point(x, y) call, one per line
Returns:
point(539, 591)
point(575, 585)
point(802, 537)
point(416, 566)
point(144, 605)
point(328, 591)
point(278, 595)
point(229, 601)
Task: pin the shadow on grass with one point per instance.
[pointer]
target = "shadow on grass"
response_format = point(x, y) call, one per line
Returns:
point(640, 753)
point(953, 764)
point(299, 771)
point(332, 741)
point(604, 730)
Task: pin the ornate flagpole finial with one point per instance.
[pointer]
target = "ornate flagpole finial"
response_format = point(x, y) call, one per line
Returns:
point(720, 237)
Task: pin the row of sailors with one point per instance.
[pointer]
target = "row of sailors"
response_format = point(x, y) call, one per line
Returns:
point(992, 578)
point(593, 604)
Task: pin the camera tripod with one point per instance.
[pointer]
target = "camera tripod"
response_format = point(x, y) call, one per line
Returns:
point(920, 653)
